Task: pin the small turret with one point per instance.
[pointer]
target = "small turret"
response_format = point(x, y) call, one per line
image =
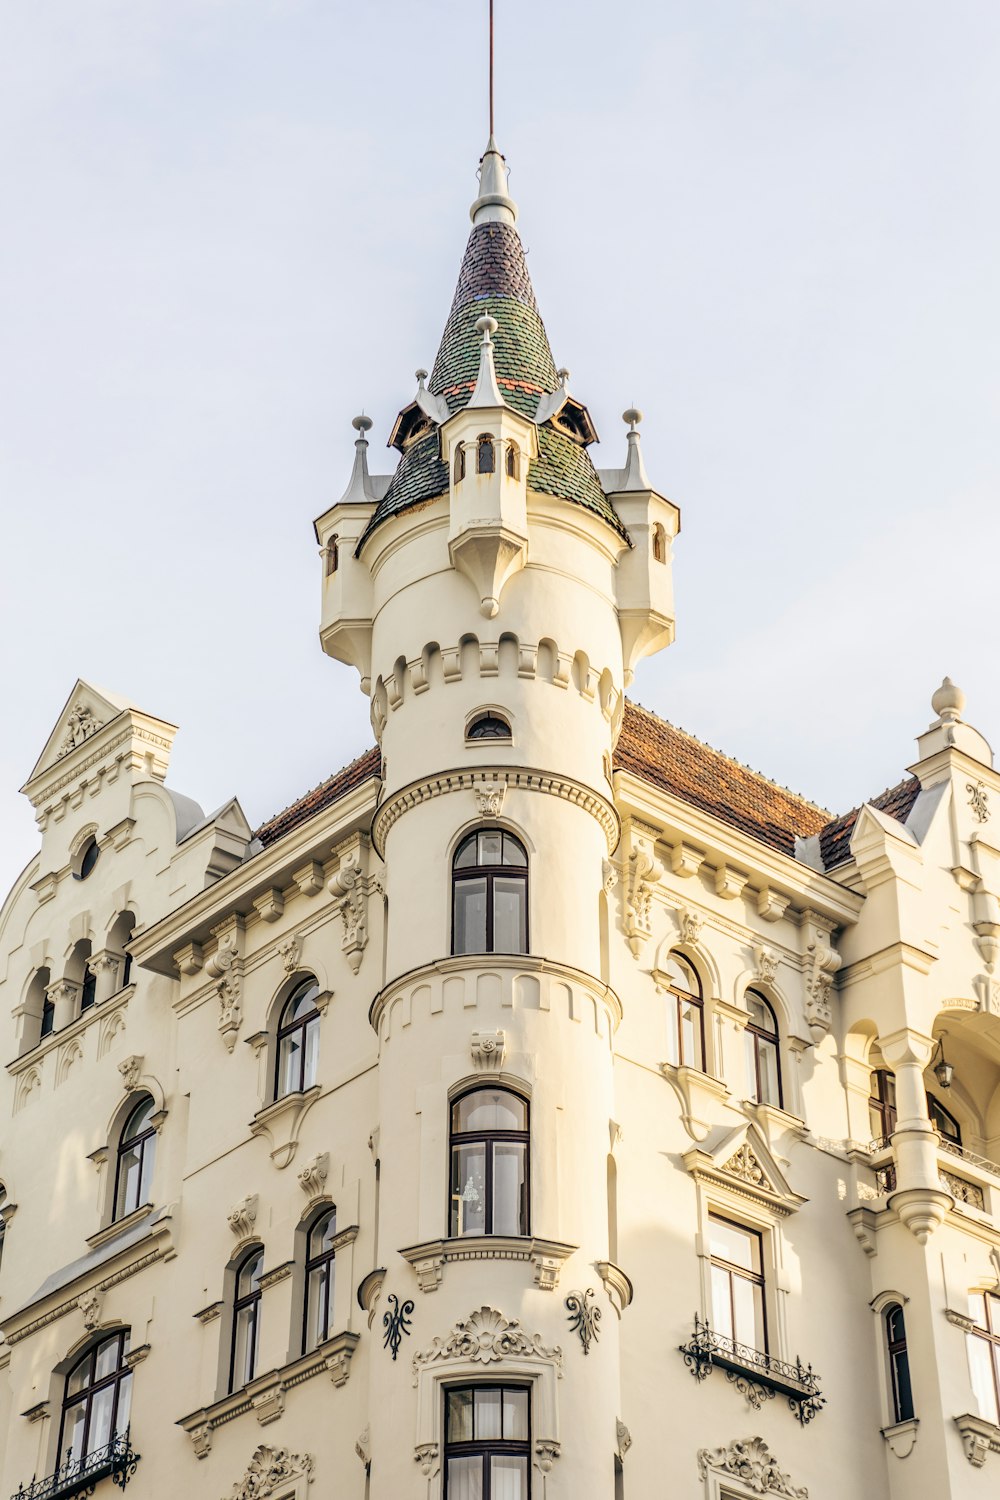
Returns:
point(487, 447)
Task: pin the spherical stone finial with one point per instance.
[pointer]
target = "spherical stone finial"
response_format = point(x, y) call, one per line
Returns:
point(487, 326)
point(948, 702)
point(421, 375)
point(362, 424)
point(563, 376)
point(633, 416)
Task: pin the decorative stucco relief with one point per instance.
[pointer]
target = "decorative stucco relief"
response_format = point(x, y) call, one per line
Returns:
point(349, 887)
point(270, 1468)
point(486, 1337)
point(752, 1463)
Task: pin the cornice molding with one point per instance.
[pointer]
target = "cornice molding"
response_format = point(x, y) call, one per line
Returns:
point(527, 963)
point(519, 778)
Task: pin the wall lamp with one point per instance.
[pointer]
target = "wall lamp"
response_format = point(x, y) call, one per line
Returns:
point(943, 1072)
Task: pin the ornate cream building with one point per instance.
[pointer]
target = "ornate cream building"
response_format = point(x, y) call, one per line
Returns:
point(544, 1105)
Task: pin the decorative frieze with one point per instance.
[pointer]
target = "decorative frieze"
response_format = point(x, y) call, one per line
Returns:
point(486, 1337)
point(271, 1469)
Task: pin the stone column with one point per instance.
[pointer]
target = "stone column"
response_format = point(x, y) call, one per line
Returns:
point(919, 1199)
point(106, 968)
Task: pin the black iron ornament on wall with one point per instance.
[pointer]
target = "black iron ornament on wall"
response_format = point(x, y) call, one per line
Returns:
point(396, 1323)
point(584, 1317)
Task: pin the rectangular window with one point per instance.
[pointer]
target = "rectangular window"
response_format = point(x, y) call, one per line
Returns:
point(487, 1443)
point(984, 1354)
point(737, 1283)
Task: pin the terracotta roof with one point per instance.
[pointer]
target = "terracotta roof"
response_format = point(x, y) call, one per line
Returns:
point(835, 838)
point(363, 769)
point(674, 760)
point(667, 757)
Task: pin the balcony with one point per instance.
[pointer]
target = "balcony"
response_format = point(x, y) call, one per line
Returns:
point(116, 1461)
point(758, 1376)
point(880, 1150)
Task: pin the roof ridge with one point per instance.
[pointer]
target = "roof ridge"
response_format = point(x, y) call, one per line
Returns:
point(873, 801)
point(743, 766)
point(311, 792)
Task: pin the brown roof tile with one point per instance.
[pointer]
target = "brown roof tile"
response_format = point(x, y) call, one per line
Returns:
point(363, 769)
point(667, 757)
point(835, 838)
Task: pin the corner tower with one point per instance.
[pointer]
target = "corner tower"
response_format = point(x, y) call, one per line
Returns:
point(495, 593)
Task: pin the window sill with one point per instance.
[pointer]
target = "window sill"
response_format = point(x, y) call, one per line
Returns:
point(281, 1121)
point(980, 1438)
point(119, 1226)
point(902, 1436)
point(265, 1394)
point(430, 1258)
point(79, 1024)
point(756, 1375)
point(774, 1118)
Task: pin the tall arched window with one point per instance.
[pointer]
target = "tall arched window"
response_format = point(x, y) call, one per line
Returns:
point(685, 1014)
point(320, 1265)
point(762, 1051)
point(48, 1019)
point(899, 1364)
point(97, 1401)
point(485, 453)
point(136, 1158)
point(298, 1041)
point(459, 463)
point(490, 894)
point(659, 544)
point(882, 1104)
point(246, 1321)
point(489, 1163)
point(512, 461)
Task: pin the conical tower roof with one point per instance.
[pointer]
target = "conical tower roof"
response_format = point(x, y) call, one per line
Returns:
point(494, 280)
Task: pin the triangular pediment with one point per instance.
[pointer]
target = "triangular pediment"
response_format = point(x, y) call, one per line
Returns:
point(93, 720)
point(741, 1162)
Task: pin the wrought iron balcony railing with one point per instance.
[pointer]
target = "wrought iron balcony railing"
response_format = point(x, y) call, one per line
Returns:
point(885, 1173)
point(116, 1461)
point(758, 1376)
point(982, 1162)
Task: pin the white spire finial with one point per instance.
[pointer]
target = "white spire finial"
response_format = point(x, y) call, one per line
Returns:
point(487, 392)
point(948, 702)
point(359, 490)
point(494, 204)
point(635, 476)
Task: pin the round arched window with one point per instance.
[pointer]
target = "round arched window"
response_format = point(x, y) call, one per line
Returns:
point(320, 1258)
point(298, 1041)
point(97, 1400)
point(762, 1051)
point(136, 1158)
point(490, 894)
point(685, 1014)
point(488, 726)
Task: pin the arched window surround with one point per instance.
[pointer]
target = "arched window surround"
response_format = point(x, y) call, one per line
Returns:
point(107, 1155)
point(346, 1209)
point(297, 1037)
point(101, 1398)
point(135, 1159)
point(488, 1152)
point(266, 1041)
point(489, 875)
point(244, 1301)
point(684, 1012)
point(487, 711)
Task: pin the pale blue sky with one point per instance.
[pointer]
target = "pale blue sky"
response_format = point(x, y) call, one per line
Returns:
point(231, 224)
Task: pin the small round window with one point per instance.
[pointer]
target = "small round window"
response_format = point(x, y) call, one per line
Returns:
point(86, 859)
point(488, 727)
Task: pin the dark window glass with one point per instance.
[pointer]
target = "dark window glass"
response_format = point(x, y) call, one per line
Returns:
point(246, 1321)
point(320, 1258)
point(489, 1164)
point(48, 1019)
point(487, 1443)
point(3, 1221)
point(944, 1121)
point(97, 1400)
point(485, 454)
point(762, 1051)
point(459, 464)
point(489, 727)
point(490, 894)
point(136, 1157)
point(512, 464)
point(298, 1041)
point(899, 1364)
point(88, 990)
point(88, 860)
point(685, 1014)
point(882, 1104)
point(332, 556)
point(737, 1263)
point(983, 1343)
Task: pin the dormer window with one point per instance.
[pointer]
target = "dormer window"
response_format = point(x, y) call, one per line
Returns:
point(512, 461)
point(459, 463)
point(485, 453)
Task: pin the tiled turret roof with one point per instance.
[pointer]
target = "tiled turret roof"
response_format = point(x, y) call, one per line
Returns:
point(494, 279)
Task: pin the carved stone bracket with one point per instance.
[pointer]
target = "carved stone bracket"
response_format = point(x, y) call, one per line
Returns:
point(823, 961)
point(642, 873)
point(489, 1048)
point(979, 1438)
point(902, 1436)
point(617, 1285)
point(290, 949)
point(312, 1177)
point(131, 1070)
point(349, 887)
point(281, 1122)
point(490, 798)
point(243, 1216)
point(765, 964)
point(226, 967)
